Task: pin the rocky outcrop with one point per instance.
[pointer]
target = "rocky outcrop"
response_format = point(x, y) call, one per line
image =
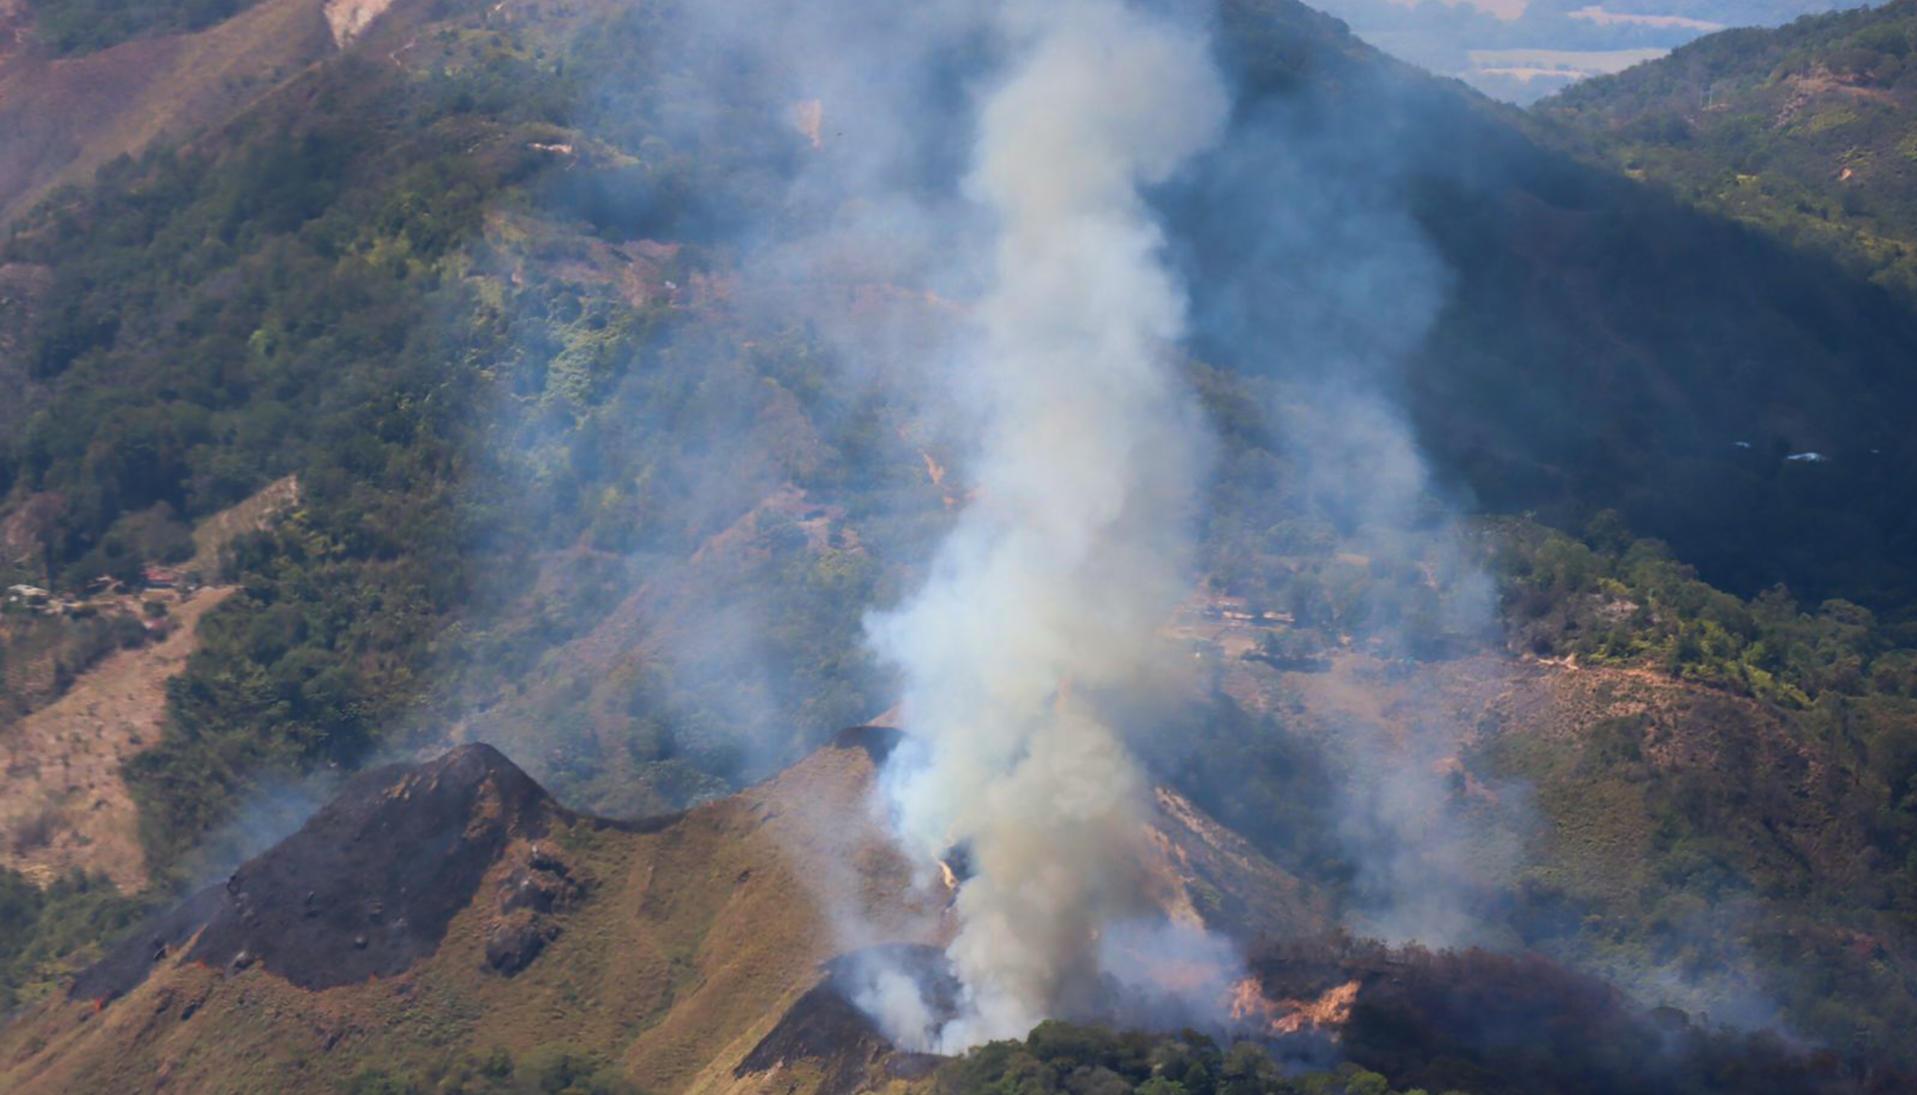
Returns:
point(538, 884)
point(347, 18)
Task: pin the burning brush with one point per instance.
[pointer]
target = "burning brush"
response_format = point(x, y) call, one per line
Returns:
point(1327, 1014)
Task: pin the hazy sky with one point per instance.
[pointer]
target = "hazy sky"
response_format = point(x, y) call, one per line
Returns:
point(1503, 9)
point(1521, 50)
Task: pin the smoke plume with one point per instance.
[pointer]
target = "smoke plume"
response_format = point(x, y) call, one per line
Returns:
point(1044, 600)
point(967, 230)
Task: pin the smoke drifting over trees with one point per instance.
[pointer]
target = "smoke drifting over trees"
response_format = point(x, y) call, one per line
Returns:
point(1016, 165)
point(675, 384)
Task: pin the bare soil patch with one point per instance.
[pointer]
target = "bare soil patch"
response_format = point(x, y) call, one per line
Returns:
point(63, 803)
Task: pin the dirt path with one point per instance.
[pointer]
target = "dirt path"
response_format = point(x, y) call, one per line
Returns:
point(62, 801)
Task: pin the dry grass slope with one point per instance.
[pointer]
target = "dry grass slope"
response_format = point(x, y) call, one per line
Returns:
point(60, 120)
point(696, 935)
point(63, 803)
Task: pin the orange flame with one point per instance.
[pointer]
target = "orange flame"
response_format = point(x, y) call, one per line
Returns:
point(1247, 1002)
point(1328, 1012)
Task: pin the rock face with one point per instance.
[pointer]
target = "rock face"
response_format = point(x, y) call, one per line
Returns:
point(347, 18)
point(367, 887)
point(540, 882)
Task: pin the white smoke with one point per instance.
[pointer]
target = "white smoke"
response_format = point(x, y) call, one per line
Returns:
point(1074, 549)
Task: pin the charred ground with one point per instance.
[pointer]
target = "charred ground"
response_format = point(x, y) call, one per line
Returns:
point(368, 886)
point(1495, 1023)
point(454, 896)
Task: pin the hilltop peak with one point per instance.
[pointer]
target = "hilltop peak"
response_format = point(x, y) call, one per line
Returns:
point(364, 889)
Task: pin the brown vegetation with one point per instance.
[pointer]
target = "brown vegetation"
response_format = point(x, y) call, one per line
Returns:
point(62, 119)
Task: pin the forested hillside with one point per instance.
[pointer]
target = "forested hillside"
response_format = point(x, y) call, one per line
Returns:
point(1805, 132)
point(472, 279)
point(384, 270)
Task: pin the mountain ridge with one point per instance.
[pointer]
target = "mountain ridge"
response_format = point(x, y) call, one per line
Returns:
point(689, 951)
point(64, 118)
point(482, 888)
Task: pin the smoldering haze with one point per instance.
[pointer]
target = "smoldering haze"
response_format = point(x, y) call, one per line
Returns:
point(1316, 277)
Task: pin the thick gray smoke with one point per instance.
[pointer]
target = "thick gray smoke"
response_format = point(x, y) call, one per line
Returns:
point(1009, 170)
point(1052, 381)
point(1074, 552)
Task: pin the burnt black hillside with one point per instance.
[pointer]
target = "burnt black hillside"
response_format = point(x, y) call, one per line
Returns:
point(364, 889)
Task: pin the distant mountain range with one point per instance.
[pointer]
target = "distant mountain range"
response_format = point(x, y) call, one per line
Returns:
point(1523, 50)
